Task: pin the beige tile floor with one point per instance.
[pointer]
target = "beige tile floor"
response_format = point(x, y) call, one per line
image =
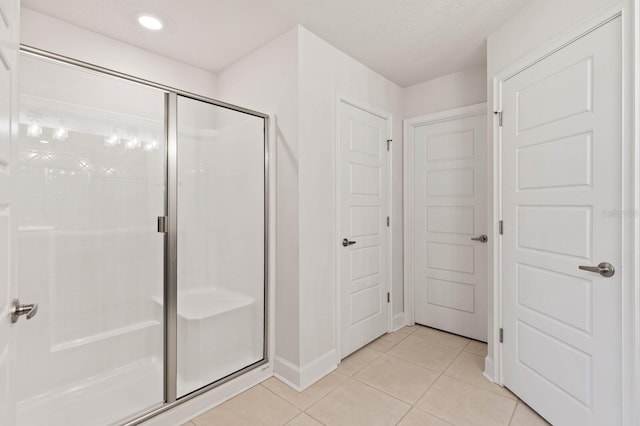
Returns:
point(415, 376)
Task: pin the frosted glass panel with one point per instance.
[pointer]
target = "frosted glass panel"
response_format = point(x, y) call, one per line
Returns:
point(220, 243)
point(91, 182)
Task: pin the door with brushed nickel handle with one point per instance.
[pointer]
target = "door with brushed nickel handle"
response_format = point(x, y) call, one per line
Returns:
point(18, 309)
point(447, 202)
point(562, 166)
point(604, 268)
point(363, 208)
point(481, 238)
point(346, 242)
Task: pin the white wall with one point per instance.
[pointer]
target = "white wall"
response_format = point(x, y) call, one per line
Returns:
point(298, 76)
point(535, 25)
point(467, 87)
point(326, 72)
point(41, 31)
point(267, 81)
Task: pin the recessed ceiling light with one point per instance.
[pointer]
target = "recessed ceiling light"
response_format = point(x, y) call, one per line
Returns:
point(150, 22)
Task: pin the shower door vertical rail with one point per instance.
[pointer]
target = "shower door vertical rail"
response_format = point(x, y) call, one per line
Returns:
point(171, 252)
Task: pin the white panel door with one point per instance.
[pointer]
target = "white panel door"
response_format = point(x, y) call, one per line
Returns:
point(562, 208)
point(450, 285)
point(363, 177)
point(8, 122)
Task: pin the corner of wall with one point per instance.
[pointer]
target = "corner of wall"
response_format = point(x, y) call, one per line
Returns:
point(300, 378)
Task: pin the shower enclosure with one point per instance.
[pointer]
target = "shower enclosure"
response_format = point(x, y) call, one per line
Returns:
point(140, 232)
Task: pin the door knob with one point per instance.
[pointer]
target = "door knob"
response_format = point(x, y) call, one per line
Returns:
point(17, 309)
point(605, 269)
point(346, 242)
point(481, 238)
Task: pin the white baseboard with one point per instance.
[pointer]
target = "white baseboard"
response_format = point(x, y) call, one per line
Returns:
point(489, 372)
point(200, 404)
point(317, 369)
point(300, 378)
point(407, 319)
point(399, 321)
point(287, 372)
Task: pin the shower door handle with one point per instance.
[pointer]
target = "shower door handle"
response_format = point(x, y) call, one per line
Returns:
point(18, 309)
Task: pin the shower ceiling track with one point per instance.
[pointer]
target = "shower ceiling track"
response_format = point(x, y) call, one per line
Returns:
point(170, 285)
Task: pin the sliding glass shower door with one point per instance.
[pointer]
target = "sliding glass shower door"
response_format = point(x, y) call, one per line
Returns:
point(220, 242)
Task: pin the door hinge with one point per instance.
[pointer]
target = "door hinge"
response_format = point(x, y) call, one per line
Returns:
point(162, 224)
point(499, 114)
point(389, 144)
point(501, 227)
point(501, 335)
point(388, 221)
point(388, 297)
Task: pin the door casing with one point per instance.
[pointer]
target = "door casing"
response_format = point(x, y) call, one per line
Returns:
point(340, 98)
point(629, 10)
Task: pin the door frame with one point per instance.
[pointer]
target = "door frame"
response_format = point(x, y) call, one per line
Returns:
point(630, 308)
point(356, 103)
point(410, 125)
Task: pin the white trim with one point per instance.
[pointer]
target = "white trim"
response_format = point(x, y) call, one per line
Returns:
point(317, 369)
point(399, 321)
point(300, 378)
point(287, 372)
point(342, 98)
point(633, 401)
point(628, 9)
point(408, 176)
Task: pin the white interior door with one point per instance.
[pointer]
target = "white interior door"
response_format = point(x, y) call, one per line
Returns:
point(9, 24)
point(363, 210)
point(562, 208)
point(450, 272)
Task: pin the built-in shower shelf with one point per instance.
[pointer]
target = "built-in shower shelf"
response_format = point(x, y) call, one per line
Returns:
point(202, 303)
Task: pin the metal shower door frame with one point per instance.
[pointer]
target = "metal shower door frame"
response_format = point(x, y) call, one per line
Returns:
point(171, 236)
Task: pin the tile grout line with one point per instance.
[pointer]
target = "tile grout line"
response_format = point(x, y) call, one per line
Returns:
point(383, 392)
point(444, 373)
point(317, 420)
point(423, 366)
point(513, 414)
point(433, 415)
point(328, 393)
point(282, 398)
point(427, 390)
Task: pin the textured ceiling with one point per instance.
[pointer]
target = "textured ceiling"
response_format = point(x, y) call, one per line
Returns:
point(407, 41)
